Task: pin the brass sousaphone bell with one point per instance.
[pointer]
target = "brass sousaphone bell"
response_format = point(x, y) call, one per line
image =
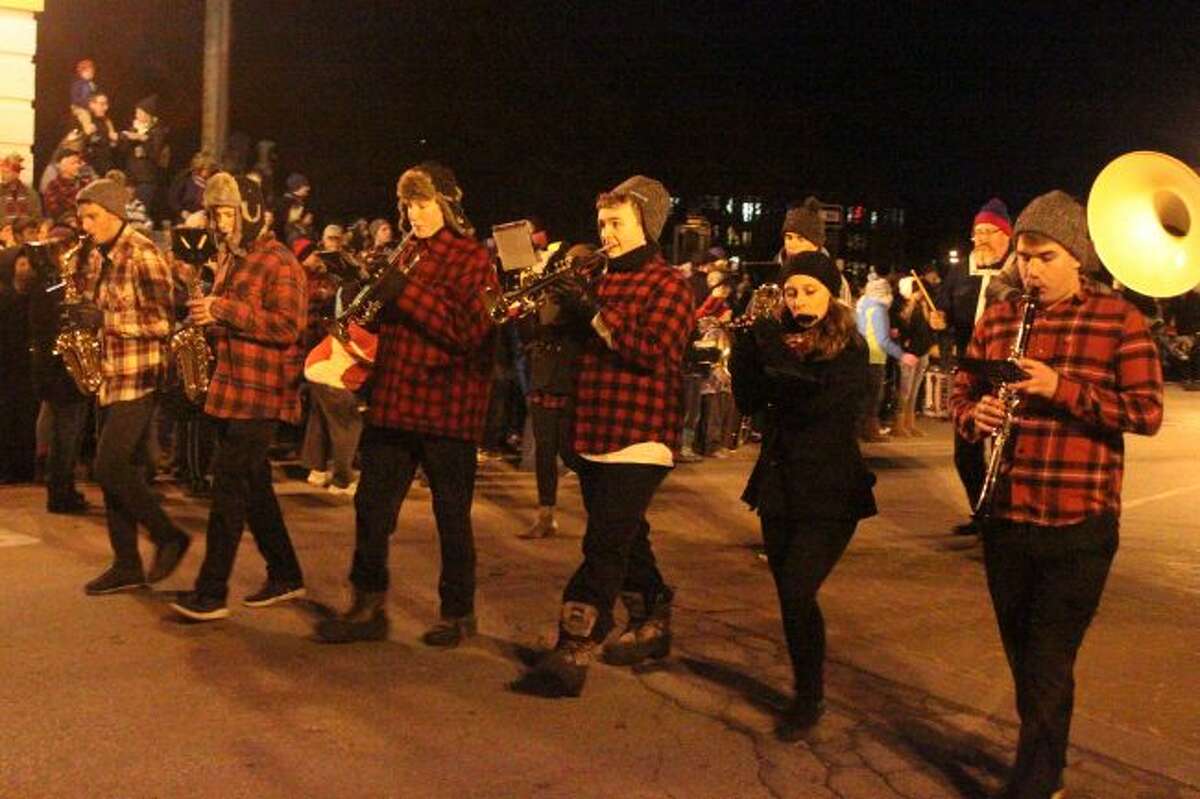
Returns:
point(1144, 219)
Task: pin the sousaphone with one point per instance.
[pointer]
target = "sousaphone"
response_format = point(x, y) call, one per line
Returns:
point(1144, 219)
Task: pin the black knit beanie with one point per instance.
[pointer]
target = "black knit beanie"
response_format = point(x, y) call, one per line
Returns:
point(816, 265)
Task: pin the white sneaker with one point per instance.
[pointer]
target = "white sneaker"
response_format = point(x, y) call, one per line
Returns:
point(347, 491)
point(319, 479)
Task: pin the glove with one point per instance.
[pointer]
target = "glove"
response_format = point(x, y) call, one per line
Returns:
point(575, 300)
point(85, 316)
point(909, 359)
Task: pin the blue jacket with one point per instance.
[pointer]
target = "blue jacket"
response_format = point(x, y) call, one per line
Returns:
point(876, 328)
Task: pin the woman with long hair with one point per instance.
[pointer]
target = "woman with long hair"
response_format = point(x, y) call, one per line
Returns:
point(806, 370)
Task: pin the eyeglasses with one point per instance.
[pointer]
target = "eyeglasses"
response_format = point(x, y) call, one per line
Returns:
point(985, 231)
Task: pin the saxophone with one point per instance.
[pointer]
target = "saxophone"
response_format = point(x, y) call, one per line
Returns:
point(78, 347)
point(1002, 437)
point(190, 354)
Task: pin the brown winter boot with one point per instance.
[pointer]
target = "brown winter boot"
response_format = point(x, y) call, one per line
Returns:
point(544, 527)
point(366, 620)
point(900, 428)
point(562, 671)
point(648, 633)
point(913, 430)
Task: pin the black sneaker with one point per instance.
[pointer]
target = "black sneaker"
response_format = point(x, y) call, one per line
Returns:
point(449, 633)
point(200, 608)
point(272, 593)
point(967, 528)
point(115, 579)
point(167, 558)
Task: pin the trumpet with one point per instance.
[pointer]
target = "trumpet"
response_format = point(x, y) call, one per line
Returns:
point(579, 260)
point(367, 304)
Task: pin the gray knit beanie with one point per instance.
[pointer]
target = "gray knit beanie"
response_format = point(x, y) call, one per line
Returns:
point(652, 200)
point(108, 194)
point(805, 220)
point(1059, 216)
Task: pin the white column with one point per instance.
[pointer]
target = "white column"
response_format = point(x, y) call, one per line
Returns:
point(18, 44)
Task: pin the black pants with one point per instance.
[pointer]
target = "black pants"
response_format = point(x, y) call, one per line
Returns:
point(969, 461)
point(616, 546)
point(242, 494)
point(389, 459)
point(1045, 584)
point(121, 456)
point(68, 420)
point(801, 554)
point(551, 432)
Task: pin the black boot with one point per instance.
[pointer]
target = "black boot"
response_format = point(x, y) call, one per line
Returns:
point(799, 719)
point(65, 499)
point(648, 634)
point(366, 620)
point(562, 671)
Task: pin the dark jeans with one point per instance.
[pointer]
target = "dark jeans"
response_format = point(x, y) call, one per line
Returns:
point(68, 420)
point(801, 554)
point(551, 432)
point(971, 464)
point(334, 427)
point(121, 455)
point(389, 459)
point(1045, 584)
point(872, 401)
point(616, 546)
point(242, 494)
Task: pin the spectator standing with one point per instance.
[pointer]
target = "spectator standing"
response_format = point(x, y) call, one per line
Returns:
point(17, 198)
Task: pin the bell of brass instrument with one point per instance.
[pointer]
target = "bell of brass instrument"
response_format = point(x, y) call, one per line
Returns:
point(580, 260)
point(765, 301)
point(1002, 436)
point(78, 347)
point(190, 354)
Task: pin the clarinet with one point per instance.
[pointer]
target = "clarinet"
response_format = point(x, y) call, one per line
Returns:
point(1002, 435)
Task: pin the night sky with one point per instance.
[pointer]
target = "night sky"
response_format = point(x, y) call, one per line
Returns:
point(538, 106)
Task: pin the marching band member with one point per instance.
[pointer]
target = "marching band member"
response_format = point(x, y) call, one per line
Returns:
point(127, 285)
point(807, 370)
point(258, 301)
point(428, 407)
point(627, 420)
point(1052, 531)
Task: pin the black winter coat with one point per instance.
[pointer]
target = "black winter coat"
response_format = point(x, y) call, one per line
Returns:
point(810, 465)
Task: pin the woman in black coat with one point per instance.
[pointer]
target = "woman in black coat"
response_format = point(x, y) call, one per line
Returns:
point(807, 371)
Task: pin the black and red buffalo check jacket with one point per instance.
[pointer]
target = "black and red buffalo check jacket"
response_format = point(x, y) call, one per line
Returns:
point(262, 304)
point(433, 372)
point(1068, 455)
point(632, 392)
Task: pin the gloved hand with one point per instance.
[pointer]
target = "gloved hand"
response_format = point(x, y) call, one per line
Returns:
point(85, 316)
point(909, 359)
point(576, 300)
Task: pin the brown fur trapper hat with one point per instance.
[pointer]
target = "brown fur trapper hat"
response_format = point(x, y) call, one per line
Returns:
point(433, 181)
point(222, 189)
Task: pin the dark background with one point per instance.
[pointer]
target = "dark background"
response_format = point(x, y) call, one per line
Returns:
point(932, 107)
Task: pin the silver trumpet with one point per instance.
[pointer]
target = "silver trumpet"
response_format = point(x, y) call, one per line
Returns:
point(1002, 435)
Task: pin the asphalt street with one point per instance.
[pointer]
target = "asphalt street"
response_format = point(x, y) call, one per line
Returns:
point(113, 697)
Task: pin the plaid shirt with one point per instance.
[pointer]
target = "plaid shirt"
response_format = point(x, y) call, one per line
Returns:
point(59, 196)
point(135, 298)
point(262, 306)
point(434, 366)
point(632, 392)
point(1067, 453)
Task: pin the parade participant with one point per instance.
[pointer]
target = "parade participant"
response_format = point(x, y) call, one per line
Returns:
point(1051, 530)
point(806, 371)
point(127, 284)
point(961, 301)
point(258, 306)
point(804, 231)
point(627, 419)
point(427, 408)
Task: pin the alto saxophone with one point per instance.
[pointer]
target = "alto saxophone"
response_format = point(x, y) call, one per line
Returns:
point(190, 353)
point(78, 347)
point(1002, 435)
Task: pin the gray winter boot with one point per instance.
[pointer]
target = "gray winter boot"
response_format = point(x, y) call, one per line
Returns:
point(648, 633)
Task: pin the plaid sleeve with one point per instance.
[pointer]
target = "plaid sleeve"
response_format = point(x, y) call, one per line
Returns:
point(275, 309)
point(658, 331)
point(152, 312)
point(967, 388)
point(452, 313)
point(1135, 403)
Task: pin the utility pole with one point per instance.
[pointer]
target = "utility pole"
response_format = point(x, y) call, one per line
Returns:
point(218, 27)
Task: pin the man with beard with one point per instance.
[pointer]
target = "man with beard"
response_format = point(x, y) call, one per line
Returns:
point(963, 297)
point(636, 323)
point(127, 285)
point(258, 299)
point(59, 196)
point(428, 407)
point(100, 142)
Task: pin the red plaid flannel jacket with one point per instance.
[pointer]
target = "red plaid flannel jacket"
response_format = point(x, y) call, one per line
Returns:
point(433, 372)
point(262, 306)
point(1067, 453)
point(632, 393)
point(136, 300)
